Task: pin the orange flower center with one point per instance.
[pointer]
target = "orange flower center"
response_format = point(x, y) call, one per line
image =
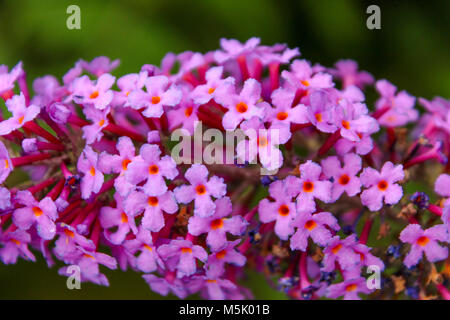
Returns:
point(346, 124)
point(156, 100)
point(308, 186)
point(200, 189)
point(382, 185)
point(37, 211)
point(422, 241)
point(283, 210)
point(124, 218)
point(351, 287)
point(17, 242)
point(6, 164)
point(146, 246)
point(262, 141)
point(152, 201)
point(101, 122)
point(310, 225)
point(336, 248)
point(21, 119)
point(211, 281)
point(241, 107)
point(125, 164)
point(217, 224)
point(186, 250)
point(305, 83)
point(94, 95)
point(221, 254)
point(153, 169)
point(211, 90)
point(92, 171)
point(344, 179)
point(69, 233)
point(318, 117)
point(188, 111)
point(282, 115)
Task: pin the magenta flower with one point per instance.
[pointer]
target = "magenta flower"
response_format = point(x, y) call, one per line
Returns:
point(344, 178)
point(206, 92)
point(118, 163)
point(148, 259)
point(15, 245)
point(5, 199)
point(302, 76)
point(362, 146)
point(127, 84)
point(5, 163)
point(99, 118)
point(99, 65)
point(400, 106)
point(314, 226)
point(163, 286)
point(185, 114)
point(233, 49)
point(381, 186)
point(213, 288)
point(321, 112)
point(118, 219)
point(158, 94)
point(341, 251)
point(366, 257)
point(148, 166)
point(95, 94)
point(217, 260)
point(68, 242)
point(200, 190)
point(243, 106)
point(310, 187)
point(42, 214)
point(446, 219)
point(217, 225)
point(8, 79)
point(181, 255)
point(21, 114)
point(349, 289)
point(424, 241)
point(153, 207)
point(283, 210)
point(347, 71)
point(93, 178)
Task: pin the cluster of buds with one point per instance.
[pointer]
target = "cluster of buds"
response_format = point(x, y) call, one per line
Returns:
point(88, 176)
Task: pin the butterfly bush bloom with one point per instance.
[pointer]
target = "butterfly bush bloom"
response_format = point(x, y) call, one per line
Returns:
point(201, 189)
point(381, 186)
point(87, 176)
point(424, 241)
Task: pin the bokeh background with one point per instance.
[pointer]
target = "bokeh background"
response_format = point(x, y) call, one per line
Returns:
point(412, 50)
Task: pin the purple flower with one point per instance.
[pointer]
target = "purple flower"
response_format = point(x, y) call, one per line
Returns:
point(401, 105)
point(282, 210)
point(353, 120)
point(424, 241)
point(341, 251)
point(232, 49)
point(212, 286)
point(381, 186)
point(148, 166)
point(349, 289)
point(362, 146)
point(21, 114)
point(93, 178)
point(7, 79)
point(5, 163)
point(127, 84)
point(217, 225)
point(158, 94)
point(204, 93)
point(185, 114)
point(164, 286)
point(118, 219)
point(302, 77)
point(314, 226)
point(216, 261)
point(347, 71)
point(96, 94)
point(446, 219)
point(367, 258)
point(68, 242)
point(15, 244)
point(442, 187)
point(5, 199)
point(42, 213)
point(344, 178)
point(148, 259)
point(99, 65)
point(113, 163)
point(153, 206)
point(93, 132)
point(201, 190)
point(321, 112)
point(243, 106)
point(310, 186)
point(181, 255)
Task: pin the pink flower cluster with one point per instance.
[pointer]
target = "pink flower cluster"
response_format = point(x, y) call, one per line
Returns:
point(102, 189)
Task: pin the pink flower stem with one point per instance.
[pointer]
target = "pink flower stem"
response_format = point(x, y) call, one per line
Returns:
point(77, 121)
point(95, 235)
point(30, 159)
point(38, 187)
point(274, 73)
point(428, 155)
point(443, 291)
point(37, 129)
point(54, 193)
point(242, 61)
point(42, 146)
point(332, 139)
point(304, 281)
point(249, 216)
point(22, 81)
point(121, 131)
point(378, 113)
point(366, 231)
point(435, 209)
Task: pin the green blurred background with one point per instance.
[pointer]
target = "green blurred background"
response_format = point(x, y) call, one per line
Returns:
point(412, 50)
